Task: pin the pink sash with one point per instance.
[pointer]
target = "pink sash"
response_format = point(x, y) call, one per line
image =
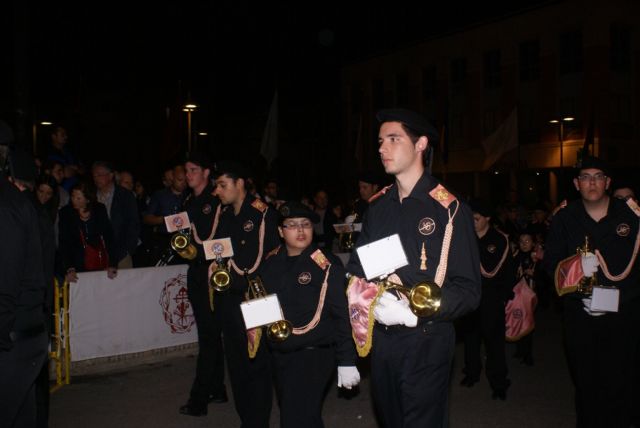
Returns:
point(361, 295)
point(519, 312)
point(568, 275)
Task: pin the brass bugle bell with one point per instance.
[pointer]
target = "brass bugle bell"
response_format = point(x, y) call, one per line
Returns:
point(279, 330)
point(181, 244)
point(220, 278)
point(425, 297)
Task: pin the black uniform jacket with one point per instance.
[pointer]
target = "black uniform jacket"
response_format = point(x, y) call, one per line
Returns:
point(298, 281)
point(243, 229)
point(420, 219)
point(22, 286)
point(614, 236)
point(492, 249)
point(201, 210)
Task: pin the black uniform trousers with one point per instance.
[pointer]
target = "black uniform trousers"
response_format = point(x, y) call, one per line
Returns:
point(19, 369)
point(210, 364)
point(600, 356)
point(250, 377)
point(486, 324)
point(302, 378)
point(410, 370)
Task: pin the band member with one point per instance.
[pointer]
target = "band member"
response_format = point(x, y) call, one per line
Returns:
point(202, 207)
point(599, 344)
point(487, 323)
point(252, 227)
point(310, 285)
point(411, 358)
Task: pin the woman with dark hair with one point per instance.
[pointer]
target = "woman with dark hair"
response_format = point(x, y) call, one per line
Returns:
point(85, 236)
point(46, 191)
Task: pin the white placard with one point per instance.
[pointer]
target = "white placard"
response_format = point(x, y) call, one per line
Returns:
point(177, 222)
point(213, 247)
point(382, 257)
point(262, 311)
point(605, 299)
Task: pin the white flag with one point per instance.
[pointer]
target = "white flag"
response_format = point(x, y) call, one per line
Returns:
point(269, 146)
point(503, 140)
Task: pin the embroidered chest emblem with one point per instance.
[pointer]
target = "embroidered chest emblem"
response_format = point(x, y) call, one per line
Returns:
point(427, 226)
point(623, 229)
point(491, 248)
point(206, 209)
point(304, 278)
point(247, 226)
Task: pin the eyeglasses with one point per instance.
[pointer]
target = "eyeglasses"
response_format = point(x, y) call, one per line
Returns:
point(588, 177)
point(293, 225)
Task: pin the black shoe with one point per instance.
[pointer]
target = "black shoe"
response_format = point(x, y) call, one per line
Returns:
point(193, 409)
point(500, 393)
point(468, 381)
point(219, 398)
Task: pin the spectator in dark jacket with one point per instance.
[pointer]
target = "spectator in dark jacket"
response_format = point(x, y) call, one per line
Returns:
point(84, 222)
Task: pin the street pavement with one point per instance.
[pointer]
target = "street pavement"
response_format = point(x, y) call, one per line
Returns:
point(149, 395)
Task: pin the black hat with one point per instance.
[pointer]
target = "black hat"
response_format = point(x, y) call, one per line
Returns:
point(6, 134)
point(48, 180)
point(621, 183)
point(369, 177)
point(591, 162)
point(481, 207)
point(412, 120)
point(199, 158)
point(293, 209)
point(232, 169)
point(23, 167)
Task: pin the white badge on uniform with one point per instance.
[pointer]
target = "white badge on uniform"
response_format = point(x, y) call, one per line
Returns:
point(382, 257)
point(261, 311)
point(605, 299)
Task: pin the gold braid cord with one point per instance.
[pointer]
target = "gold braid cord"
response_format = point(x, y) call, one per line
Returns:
point(316, 317)
point(260, 249)
point(213, 228)
point(446, 243)
point(497, 269)
point(624, 273)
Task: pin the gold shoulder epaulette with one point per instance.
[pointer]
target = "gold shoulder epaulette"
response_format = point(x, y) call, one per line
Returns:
point(259, 205)
point(442, 195)
point(320, 259)
point(380, 193)
point(634, 206)
point(273, 252)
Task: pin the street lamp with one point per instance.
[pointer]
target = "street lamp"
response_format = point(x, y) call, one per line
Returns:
point(189, 108)
point(561, 123)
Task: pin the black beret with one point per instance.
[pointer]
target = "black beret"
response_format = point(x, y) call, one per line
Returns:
point(621, 183)
point(6, 134)
point(22, 164)
point(199, 158)
point(412, 120)
point(591, 162)
point(480, 206)
point(232, 169)
point(294, 209)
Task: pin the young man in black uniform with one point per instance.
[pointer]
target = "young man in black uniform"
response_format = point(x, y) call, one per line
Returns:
point(599, 345)
point(252, 227)
point(310, 286)
point(410, 363)
point(203, 207)
point(487, 323)
point(23, 337)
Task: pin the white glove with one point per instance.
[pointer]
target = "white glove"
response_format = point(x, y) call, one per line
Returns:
point(348, 377)
point(587, 308)
point(391, 311)
point(589, 264)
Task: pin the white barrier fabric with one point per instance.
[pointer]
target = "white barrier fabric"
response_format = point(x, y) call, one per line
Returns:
point(140, 310)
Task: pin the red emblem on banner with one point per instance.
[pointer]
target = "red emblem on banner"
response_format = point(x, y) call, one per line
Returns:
point(176, 308)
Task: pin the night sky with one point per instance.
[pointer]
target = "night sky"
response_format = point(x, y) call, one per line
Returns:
point(117, 75)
